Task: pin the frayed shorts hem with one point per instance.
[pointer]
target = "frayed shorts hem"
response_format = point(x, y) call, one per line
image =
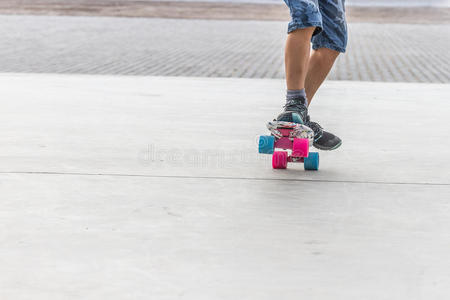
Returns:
point(329, 46)
point(301, 25)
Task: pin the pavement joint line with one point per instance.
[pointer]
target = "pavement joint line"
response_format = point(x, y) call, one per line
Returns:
point(222, 177)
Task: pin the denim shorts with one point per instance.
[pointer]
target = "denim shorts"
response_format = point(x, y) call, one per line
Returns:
point(328, 16)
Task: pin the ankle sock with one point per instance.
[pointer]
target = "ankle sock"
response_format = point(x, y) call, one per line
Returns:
point(296, 95)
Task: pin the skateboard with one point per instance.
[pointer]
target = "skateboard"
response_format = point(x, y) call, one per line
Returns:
point(289, 136)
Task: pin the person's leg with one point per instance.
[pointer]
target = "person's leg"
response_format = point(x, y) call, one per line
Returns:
point(320, 64)
point(306, 21)
point(327, 44)
point(297, 54)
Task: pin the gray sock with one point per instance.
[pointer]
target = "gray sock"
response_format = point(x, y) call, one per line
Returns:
point(296, 94)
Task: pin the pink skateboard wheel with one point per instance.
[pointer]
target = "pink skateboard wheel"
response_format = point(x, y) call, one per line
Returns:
point(279, 160)
point(300, 148)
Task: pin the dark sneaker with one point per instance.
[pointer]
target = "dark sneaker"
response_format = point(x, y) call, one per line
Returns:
point(297, 111)
point(327, 141)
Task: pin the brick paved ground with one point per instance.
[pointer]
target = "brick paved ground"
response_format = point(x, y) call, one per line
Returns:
point(212, 48)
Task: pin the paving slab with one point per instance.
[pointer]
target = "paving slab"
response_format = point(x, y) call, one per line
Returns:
point(213, 48)
point(129, 187)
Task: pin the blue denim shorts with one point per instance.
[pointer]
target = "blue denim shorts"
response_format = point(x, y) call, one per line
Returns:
point(328, 16)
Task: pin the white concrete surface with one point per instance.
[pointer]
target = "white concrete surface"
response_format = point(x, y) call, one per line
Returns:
point(151, 188)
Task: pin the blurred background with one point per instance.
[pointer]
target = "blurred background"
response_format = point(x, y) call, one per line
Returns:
point(389, 40)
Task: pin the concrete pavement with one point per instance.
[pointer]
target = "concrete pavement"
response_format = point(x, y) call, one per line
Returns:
point(117, 187)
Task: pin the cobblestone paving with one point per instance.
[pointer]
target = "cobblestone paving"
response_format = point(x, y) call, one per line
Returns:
point(212, 48)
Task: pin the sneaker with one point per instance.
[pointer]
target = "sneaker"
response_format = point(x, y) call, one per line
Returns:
point(296, 111)
point(327, 141)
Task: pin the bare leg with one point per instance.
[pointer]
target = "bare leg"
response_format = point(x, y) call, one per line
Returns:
point(297, 51)
point(320, 64)
point(303, 71)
